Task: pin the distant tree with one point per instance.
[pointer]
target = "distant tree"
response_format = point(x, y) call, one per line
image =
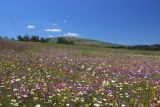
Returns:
point(35, 38)
point(0, 37)
point(26, 37)
point(20, 38)
point(43, 39)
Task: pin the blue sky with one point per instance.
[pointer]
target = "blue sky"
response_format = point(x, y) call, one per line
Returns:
point(116, 21)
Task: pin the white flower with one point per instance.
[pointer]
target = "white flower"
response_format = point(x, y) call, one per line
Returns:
point(155, 98)
point(113, 81)
point(88, 69)
point(110, 65)
point(105, 83)
point(94, 99)
point(93, 73)
point(14, 100)
point(25, 96)
point(18, 97)
point(29, 69)
point(125, 83)
point(111, 104)
point(15, 89)
point(71, 71)
point(38, 105)
point(16, 104)
point(123, 105)
point(82, 67)
point(67, 105)
point(17, 80)
point(82, 99)
point(104, 99)
point(96, 105)
point(80, 93)
point(2, 86)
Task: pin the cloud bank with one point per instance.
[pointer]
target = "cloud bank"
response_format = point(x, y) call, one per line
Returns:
point(53, 30)
point(71, 34)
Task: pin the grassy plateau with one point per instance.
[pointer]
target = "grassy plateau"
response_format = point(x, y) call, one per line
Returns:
point(52, 75)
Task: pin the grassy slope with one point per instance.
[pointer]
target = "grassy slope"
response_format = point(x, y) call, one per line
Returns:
point(82, 41)
point(20, 46)
point(96, 43)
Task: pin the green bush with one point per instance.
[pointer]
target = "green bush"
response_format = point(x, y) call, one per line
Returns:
point(62, 40)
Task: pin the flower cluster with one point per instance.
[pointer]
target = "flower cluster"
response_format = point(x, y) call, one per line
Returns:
point(57, 76)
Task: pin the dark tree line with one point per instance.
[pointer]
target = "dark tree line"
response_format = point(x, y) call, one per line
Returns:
point(32, 38)
point(60, 40)
point(154, 47)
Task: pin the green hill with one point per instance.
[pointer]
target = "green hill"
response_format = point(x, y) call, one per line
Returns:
point(96, 43)
point(84, 41)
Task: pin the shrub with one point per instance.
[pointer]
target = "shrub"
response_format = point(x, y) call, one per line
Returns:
point(62, 40)
point(20, 38)
point(35, 38)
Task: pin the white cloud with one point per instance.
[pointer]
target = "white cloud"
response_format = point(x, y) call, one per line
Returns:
point(53, 30)
point(31, 26)
point(71, 34)
point(65, 21)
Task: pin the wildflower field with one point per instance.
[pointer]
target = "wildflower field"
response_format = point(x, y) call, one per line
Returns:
point(50, 75)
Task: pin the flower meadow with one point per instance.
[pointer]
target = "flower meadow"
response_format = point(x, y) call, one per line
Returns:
point(40, 75)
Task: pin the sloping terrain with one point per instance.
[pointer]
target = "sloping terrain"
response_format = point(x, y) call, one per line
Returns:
point(83, 41)
point(96, 43)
